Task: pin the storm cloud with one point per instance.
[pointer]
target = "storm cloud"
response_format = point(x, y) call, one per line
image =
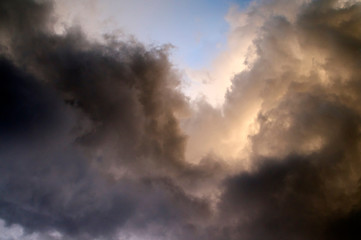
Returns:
point(90, 137)
point(98, 141)
point(304, 180)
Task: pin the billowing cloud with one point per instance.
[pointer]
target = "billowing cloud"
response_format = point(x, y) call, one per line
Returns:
point(304, 158)
point(97, 141)
point(292, 120)
point(90, 139)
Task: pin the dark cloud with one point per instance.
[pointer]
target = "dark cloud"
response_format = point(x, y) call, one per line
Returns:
point(48, 180)
point(90, 137)
point(304, 181)
point(45, 181)
point(92, 145)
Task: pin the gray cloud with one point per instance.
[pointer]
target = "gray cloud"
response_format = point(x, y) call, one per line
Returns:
point(304, 180)
point(93, 136)
point(51, 179)
point(90, 137)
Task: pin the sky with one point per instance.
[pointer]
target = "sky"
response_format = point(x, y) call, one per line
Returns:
point(173, 120)
point(197, 32)
point(197, 29)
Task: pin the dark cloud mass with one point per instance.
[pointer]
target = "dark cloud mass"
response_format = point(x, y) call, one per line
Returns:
point(89, 136)
point(305, 182)
point(92, 144)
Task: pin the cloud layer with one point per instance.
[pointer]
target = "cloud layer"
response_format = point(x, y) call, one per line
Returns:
point(97, 141)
